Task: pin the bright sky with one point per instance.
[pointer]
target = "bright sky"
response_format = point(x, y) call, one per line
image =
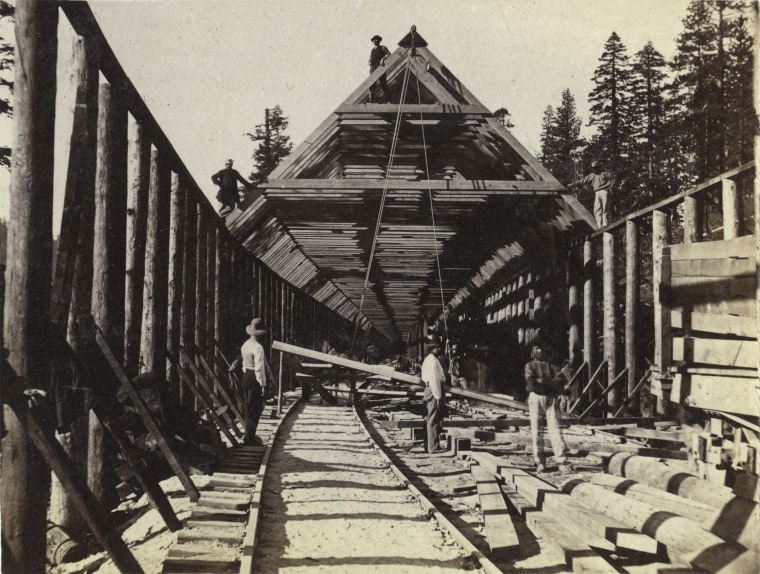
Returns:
point(207, 70)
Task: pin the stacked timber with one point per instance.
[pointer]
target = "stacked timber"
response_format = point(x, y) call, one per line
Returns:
point(713, 321)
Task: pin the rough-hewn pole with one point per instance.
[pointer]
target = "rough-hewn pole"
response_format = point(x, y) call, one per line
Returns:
point(221, 285)
point(589, 264)
point(660, 282)
point(692, 226)
point(138, 180)
point(25, 483)
point(610, 323)
point(108, 254)
point(573, 309)
point(210, 285)
point(187, 335)
point(632, 274)
point(201, 286)
point(731, 219)
point(155, 294)
point(176, 260)
point(85, 68)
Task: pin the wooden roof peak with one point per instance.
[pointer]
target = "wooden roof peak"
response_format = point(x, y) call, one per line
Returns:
point(413, 40)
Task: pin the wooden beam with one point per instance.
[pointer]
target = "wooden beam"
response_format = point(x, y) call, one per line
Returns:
point(521, 187)
point(590, 384)
point(210, 286)
point(589, 265)
point(26, 329)
point(187, 331)
point(692, 220)
point(153, 341)
point(660, 285)
point(731, 394)
point(428, 109)
point(632, 276)
point(201, 271)
point(731, 207)
point(219, 384)
point(741, 247)
point(176, 260)
point(713, 323)
point(609, 290)
point(608, 389)
point(138, 182)
point(150, 423)
point(724, 352)
point(500, 530)
point(632, 395)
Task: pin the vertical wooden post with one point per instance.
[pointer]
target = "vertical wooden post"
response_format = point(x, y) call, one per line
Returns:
point(201, 285)
point(731, 217)
point(62, 508)
point(25, 484)
point(279, 386)
point(155, 295)
point(109, 255)
point(610, 323)
point(573, 309)
point(210, 286)
point(176, 261)
point(588, 310)
point(187, 335)
point(138, 180)
point(660, 285)
point(632, 275)
point(692, 224)
point(221, 288)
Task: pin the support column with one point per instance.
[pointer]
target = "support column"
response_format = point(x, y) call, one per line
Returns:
point(692, 220)
point(632, 277)
point(731, 215)
point(176, 261)
point(588, 310)
point(201, 285)
point(210, 285)
point(109, 256)
point(610, 323)
point(155, 294)
point(660, 284)
point(138, 180)
point(187, 335)
point(573, 309)
point(25, 485)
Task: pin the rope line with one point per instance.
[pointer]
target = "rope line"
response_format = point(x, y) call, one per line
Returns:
point(394, 142)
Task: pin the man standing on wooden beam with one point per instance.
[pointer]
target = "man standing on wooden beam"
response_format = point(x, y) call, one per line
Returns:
point(227, 180)
point(545, 382)
point(254, 378)
point(376, 59)
point(434, 377)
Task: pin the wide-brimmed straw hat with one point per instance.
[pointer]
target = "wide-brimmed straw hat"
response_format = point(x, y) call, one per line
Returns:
point(256, 328)
point(379, 38)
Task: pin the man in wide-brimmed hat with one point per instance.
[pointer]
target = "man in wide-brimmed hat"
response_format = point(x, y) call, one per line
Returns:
point(434, 378)
point(601, 182)
point(254, 378)
point(376, 59)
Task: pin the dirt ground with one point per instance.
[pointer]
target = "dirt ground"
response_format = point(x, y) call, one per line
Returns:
point(332, 505)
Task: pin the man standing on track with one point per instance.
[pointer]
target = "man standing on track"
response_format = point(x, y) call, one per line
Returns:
point(254, 379)
point(434, 377)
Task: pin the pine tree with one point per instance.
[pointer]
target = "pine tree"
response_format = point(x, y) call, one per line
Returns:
point(548, 147)
point(273, 146)
point(504, 117)
point(610, 104)
point(567, 131)
point(6, 81)
point(740, 112)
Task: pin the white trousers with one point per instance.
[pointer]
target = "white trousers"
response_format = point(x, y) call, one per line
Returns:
point(550, 405)
point(600, 207)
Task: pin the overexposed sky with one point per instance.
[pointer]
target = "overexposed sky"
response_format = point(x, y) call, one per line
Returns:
point(207, 70)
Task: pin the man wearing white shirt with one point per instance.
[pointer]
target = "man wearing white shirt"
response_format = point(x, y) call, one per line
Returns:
point(254, 378)
point(434, 377)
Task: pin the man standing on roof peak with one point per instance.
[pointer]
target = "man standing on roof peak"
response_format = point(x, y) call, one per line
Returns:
point(227, 180)
point(376, 59)
point(601, 182)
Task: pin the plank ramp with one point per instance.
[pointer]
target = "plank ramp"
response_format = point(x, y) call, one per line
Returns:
point(500, 530)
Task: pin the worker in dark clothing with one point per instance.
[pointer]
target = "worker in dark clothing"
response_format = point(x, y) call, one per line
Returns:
point(227, 180)
point(376, 59)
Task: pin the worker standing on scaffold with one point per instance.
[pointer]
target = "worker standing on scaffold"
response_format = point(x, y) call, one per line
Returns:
point(227, 180)
point(376, 59)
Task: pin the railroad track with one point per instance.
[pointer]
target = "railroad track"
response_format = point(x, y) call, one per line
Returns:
point(331, 493)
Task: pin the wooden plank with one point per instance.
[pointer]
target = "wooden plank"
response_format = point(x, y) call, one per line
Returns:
point(708, 289)
point(85, 502)
point(482, 186)
point(427, 109)
point(724, 267)
point(742, 247)
point(202, 400)
point(724, 352)
point(219, 384)
point(713, 323)
point(732, 394)
point(500, 530)
point(580, 557)
point(150, 423)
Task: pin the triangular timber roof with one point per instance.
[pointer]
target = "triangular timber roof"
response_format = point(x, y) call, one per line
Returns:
point(495, 206)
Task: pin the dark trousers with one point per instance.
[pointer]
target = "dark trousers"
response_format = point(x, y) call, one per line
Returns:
point(434, 420)
point(382, 82)
point(254, 405)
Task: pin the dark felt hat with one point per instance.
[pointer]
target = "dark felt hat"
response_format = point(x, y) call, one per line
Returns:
point(376, 37)
point(433, 342)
